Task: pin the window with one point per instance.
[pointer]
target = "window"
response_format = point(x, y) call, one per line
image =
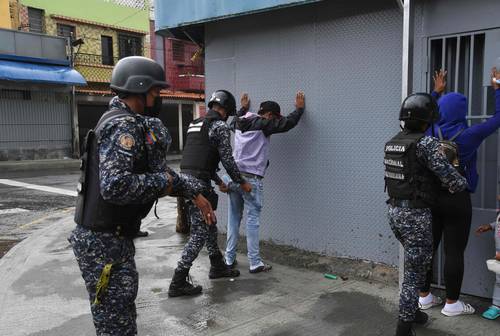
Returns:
point(463, 57)
point(107, 50)
point(66, 31)
point(129, 45)
point(178, 51)
point(35, 19)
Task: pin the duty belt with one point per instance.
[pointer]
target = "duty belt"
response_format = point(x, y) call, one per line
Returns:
point(251, 175)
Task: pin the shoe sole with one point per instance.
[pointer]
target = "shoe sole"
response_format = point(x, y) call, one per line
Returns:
point(260, 270)
point(183, 294)
point(452, 314)
point(429, 306)
point(223, 276)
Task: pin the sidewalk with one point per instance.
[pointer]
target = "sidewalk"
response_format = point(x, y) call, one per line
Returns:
point(42, 293)
point(70, 164)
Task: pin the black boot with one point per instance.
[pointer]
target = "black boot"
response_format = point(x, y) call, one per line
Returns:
point(181, 284)
point(421, 317)
point(219, 269)
point(405, 329)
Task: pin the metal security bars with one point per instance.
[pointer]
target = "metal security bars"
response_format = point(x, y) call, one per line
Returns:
point(463, 57)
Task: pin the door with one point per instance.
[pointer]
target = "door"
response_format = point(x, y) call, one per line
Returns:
point(468, 59)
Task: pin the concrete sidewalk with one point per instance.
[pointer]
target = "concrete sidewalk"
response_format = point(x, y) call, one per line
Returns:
point(60, 164)
point(42, 293)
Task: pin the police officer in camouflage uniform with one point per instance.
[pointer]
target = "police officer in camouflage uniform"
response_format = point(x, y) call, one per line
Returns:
point(208, 143)
point(415, 169)
point(123, 172)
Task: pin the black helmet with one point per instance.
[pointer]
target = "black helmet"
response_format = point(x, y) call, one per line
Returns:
point(137, 74)
point(225, 99)
point(421, 107)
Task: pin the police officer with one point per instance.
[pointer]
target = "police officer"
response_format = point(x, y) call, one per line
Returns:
point(414, 169)
point(208, 143)
point(123, 172)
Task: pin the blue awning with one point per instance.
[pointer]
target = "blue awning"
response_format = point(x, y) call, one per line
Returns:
point(40, 73)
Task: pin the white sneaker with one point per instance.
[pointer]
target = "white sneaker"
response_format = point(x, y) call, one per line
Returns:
point(436, 301)
point(466, 309)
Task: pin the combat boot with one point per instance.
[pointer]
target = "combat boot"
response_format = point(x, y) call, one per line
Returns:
point(181, 284)
point(405, 329)
point(421, 317)
point(219, 269)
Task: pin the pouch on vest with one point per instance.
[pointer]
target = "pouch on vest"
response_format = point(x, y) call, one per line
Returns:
point(450, 148)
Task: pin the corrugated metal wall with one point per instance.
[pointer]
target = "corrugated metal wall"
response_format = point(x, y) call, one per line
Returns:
point(34, 124)
point(324, 190)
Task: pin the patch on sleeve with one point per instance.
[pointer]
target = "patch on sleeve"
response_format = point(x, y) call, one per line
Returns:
point(126, 141)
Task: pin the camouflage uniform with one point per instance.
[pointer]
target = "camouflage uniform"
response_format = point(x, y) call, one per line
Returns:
point(123, 142)
point(413, 227)
point(219, 135)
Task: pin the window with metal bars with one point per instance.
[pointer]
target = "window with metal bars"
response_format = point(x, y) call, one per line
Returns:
point(178, 51)
point(463, 57)
point(35, 19)
point(129, 45)
point(66, 31)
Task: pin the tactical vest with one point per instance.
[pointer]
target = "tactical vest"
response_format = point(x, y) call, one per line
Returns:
point(92, 211)
point(405, 177)
point(200, 158)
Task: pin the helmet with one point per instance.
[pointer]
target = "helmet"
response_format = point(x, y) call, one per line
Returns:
point(421, 107)
point(225, 99)
point(137, 74)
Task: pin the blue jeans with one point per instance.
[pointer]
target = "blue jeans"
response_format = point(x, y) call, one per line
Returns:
point(238, 200)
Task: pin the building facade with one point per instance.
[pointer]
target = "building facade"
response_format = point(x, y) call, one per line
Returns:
point(36, 103)
point(325, 186)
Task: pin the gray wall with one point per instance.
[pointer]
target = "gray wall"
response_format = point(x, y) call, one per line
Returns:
point(35, 123)
point(324, 189)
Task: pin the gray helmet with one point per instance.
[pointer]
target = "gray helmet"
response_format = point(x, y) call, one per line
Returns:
point(137, 75)
point(421, 107)
point(225, 99)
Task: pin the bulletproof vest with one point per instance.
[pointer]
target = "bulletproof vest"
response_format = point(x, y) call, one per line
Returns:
point(200, 158)
point(92, 211)
point(450, 148)
point(405, 177)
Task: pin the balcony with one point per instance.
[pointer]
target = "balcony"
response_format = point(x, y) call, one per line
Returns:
point(188, 78)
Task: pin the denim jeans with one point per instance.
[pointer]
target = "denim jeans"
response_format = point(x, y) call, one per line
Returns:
point(252, 202)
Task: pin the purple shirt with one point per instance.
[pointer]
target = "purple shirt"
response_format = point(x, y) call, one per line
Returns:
point(251, 149)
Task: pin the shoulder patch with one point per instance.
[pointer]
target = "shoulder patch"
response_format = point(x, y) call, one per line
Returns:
point(126, 141)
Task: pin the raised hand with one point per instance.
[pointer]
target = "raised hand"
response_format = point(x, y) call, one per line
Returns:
point(440, 81)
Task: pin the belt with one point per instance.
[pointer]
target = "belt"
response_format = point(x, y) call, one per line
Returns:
point(249, 175)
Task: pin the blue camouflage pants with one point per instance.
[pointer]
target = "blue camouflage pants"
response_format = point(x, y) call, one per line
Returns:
point(115, 315)
point(201, 234)
point(413, 228)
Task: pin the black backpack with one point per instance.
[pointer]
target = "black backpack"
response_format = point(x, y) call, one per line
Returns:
point(450, 148)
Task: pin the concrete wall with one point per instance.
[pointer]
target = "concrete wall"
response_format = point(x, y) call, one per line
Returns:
point(324, 190)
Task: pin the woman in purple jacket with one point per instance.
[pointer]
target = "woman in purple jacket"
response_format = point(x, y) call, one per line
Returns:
point(453, 213)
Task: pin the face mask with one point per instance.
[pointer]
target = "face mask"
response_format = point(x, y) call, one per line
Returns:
point(154, 111)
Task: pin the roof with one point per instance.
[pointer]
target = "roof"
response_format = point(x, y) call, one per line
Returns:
point(164, 93)
point(94, 23)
